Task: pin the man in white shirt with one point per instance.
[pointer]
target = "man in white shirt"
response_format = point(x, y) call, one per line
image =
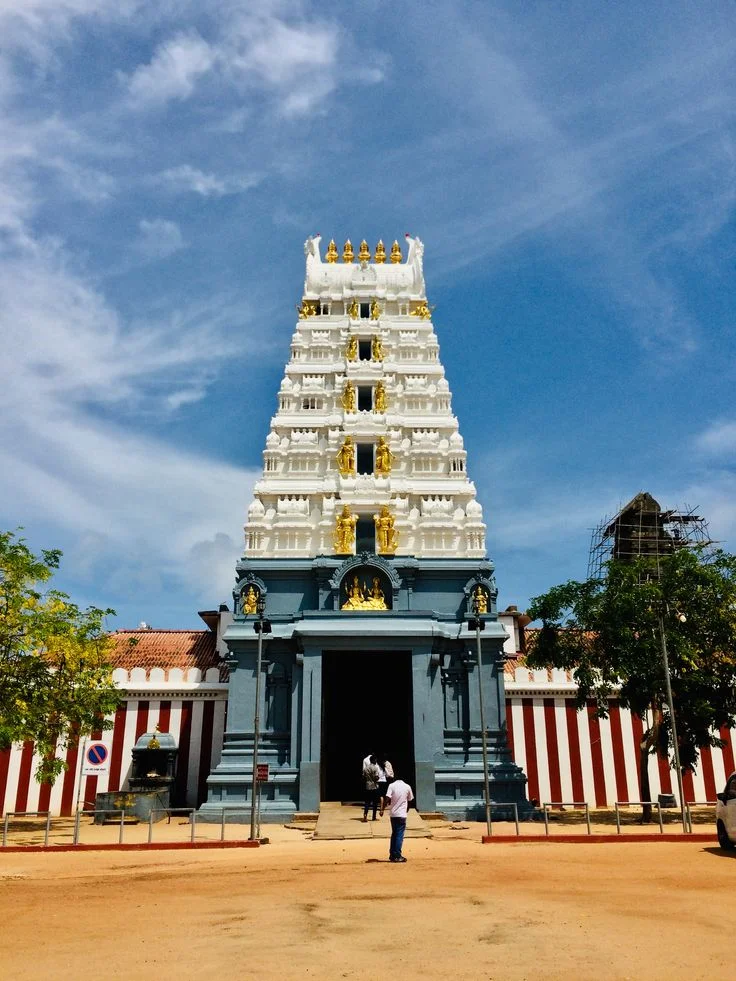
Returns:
point(398, 797)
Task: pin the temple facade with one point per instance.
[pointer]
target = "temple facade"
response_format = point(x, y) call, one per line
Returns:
point(366, 543)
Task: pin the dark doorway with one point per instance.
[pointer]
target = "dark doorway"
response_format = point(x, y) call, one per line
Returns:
point(366, 708)
point(365, 535)
point(365, 457)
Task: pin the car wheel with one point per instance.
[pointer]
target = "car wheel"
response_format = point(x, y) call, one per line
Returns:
point(723, 840)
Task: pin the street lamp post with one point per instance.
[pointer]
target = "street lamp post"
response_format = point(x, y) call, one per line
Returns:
point(480, 625)
point(260, 626)
point(671, 707)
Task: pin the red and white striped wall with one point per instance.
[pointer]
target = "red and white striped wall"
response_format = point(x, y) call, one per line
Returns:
point(570, 755)
point(567, 755)
point(190, 707)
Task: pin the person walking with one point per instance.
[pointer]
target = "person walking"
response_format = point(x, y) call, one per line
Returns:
point(371, 776)
point(386, 775)
point(399, 795)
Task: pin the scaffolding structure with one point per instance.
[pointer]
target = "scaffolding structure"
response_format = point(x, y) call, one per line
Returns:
point(641, 529)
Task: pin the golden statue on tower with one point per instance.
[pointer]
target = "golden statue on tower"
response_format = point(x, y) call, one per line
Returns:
point(351, 351)
point(380, 402)
point(346, 458)
point(422, 310)
point(375, 309)
point(380, 252)
point(376, 348)
point(345, 523)
point(364, 254)
point(331, 255)
point(347, 251)
point(387, 539)
point(395, 252)
point(348, 399)
point(384, 458)
point(354, 310)
point(480, 600)
point(307, 309)
point(249, 601)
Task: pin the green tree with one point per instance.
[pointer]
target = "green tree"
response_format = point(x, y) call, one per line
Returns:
point(607, 632)
point(55, 676)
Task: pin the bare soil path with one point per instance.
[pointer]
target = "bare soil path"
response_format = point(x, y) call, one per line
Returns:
point(336, 909)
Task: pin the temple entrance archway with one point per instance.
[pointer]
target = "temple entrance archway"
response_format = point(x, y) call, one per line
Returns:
point(366, 707)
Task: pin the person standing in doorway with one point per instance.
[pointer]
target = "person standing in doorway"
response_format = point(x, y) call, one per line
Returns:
point(371, 776)
point(386, 775)
point(398, 796)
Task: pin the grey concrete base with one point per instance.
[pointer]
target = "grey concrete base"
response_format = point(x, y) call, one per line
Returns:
point(344, 821)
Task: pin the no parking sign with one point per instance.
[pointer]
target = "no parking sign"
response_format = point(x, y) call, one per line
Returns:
point(96, 758)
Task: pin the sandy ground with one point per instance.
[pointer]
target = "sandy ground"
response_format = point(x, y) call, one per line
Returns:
point(299, 908)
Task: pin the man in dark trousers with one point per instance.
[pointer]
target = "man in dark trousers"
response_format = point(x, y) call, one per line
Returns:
point(398, 798)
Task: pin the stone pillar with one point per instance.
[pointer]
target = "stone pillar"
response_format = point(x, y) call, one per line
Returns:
point(310, 730)
point(427, 711)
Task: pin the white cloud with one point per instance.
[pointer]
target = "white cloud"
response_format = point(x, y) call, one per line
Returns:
point(172, 72)
point(159, 238)
point(718, 438)
point(185, 178)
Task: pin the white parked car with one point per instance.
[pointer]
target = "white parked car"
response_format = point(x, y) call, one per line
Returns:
point(726, 814)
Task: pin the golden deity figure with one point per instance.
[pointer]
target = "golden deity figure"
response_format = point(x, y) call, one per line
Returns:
point(422, 310)
point(387, 538)
point(250, 599)
point(331, 254)
point(376, 348)
point(384, 458)
point(375, 310)
point(376, 600)
point(396, 252)
point(380, 402)
point(307, 309)
point(347, 252)
point(480, 600)
point(351, 351)
point(354, 310)
point(349, 399)
point(380, 252)
point(346, 458)
point(356, 596)
point(364, 254)
point(345, 523)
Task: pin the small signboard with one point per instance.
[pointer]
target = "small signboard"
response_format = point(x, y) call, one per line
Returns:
point(262, 772)
point(96, 758)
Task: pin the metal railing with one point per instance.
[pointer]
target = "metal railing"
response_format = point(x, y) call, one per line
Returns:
point(9, 814)
point(696, 803)
point(565, 803)
point(508, 807)
point(105, 810)
point(191, 811)
point(638, 803)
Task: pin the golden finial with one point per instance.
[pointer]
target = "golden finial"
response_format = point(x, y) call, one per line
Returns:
point(347, 251)
point(395, 252)
point(331, 255)
point(380, 252)
point(364, 255)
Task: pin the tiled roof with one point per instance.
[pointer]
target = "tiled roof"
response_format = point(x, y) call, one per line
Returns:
point(165, 649)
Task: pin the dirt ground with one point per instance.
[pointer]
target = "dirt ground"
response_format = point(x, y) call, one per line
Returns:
point(299, 908)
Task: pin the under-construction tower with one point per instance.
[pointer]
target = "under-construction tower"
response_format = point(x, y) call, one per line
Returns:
point(641, 529)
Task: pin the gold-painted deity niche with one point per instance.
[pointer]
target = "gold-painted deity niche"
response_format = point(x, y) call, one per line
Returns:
point(387, 538)
point(351, 351)
point(375, 310)
point(354, 309)
point(249, 600)
point(363, 591)
point(345, 523)
point(376, 348)
point(480, 600)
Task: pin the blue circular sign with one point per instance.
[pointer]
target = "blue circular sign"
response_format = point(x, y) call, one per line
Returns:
point(96, 754)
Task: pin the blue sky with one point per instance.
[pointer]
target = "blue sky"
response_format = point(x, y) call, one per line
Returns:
point(570, 167)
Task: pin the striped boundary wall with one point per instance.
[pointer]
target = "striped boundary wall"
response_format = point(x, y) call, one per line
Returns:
point(192, 709)
point(567, 755)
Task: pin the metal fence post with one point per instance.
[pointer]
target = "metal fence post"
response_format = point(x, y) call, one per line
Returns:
point(222, 827)
point(659, 814)
point(48, 829)
point(618, 818)
point(150, 826)
point(5, 829)
point(122, 825)
point(546, 820)
point(516, 819)
point(194, 823)
point(587, 818)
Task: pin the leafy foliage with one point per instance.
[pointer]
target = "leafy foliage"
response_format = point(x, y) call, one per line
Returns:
point(55, 678)
point(607, 632)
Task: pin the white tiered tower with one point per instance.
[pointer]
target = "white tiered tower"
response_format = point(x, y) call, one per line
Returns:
point(364, 321)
